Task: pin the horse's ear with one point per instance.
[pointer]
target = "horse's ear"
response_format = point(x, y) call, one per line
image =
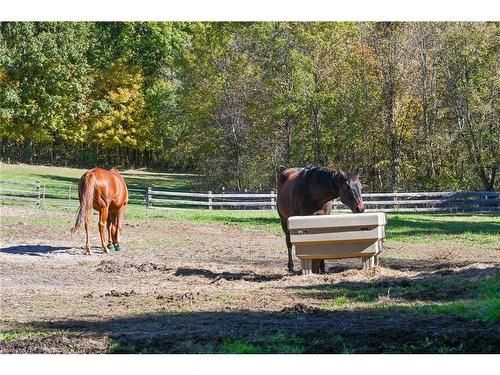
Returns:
point(343, 175)
point(357, 173)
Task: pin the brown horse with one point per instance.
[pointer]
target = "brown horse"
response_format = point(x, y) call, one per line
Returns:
point(310, 191)
point(106, 192)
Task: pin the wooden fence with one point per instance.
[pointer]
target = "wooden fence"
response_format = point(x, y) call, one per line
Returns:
point(428, 202)
point(55, 195)
point(174, 199)
point(21, 192)
point(66, 196)
point(374, 202)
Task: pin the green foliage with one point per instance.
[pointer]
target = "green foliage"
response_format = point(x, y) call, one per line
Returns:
point(29, 332)
point(337, 301)
point(117, 347)
point(239, 347)
point(412, 106)
point(46, 81)
point(279, 343)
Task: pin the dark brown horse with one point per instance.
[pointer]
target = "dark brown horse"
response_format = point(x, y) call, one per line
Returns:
point(106, 192)
point(310, 191)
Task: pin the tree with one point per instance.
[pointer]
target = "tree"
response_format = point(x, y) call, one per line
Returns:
point(470, 66)
point(46, 83)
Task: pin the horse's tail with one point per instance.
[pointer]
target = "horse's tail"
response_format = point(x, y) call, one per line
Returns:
point(281, 179)
point(283, 176)
point(86, 192)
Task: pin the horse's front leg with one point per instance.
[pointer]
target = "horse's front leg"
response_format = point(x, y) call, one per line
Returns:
point(284, 226)
point(322, 266)
point(289, 246)
point(118, 227)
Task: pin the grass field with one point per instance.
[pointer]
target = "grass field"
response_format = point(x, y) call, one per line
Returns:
point(60, 183)
point(199, 281)
point(480, 229)
point(60, 177)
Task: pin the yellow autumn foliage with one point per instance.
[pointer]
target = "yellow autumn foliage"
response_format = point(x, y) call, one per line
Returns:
point(124, 124)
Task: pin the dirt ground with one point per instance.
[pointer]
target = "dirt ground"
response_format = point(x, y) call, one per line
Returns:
point(184, 287)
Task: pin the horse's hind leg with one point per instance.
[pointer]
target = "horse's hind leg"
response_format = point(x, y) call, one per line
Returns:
point(87, 234)
point(103, 218)
point(110, 224)
point(288, 243)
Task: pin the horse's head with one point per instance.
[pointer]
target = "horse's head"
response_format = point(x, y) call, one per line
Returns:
point(350, 192)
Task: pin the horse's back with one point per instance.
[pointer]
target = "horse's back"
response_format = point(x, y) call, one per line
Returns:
point(286, 185)
point(294, 197)
point(110, 185)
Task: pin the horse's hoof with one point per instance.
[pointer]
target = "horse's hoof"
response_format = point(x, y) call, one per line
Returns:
point(117, 247)
point(110, 246)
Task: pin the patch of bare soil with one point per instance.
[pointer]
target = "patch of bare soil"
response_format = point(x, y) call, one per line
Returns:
point(180, 287)
point(59, 344)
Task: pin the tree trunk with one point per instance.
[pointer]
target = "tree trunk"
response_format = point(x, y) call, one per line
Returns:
point(424, 92)
point(287, 157)
point(390, 104)
point(316, 123)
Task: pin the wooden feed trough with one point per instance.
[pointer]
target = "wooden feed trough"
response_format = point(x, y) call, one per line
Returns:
point(336, 237)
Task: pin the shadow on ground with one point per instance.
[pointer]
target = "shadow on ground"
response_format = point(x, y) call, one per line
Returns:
point(35, 250)
point(42, 250)
point(381, 327)
point(441, 285)
point(392, 330)
point(247, 276)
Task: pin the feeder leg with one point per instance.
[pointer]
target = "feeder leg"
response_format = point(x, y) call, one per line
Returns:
point(369, 262)
point(315, 265)
point(366, 263)
point(375, 260)
point(307, 266)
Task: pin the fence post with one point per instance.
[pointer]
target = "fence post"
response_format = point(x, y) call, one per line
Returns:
point(148, 198)
point(273, 201)
point(43, 196)
point(396, 200)
point(38, 191)
point(210, 200)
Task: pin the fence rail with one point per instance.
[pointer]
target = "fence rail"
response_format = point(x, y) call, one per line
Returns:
point(34, 195)
point(56, 195)
point(210, 200)
point(447, 201)
point(386, 202)
point(67, 196)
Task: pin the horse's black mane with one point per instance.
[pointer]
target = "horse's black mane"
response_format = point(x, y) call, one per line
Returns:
point(320, 178)
point(323, 173)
